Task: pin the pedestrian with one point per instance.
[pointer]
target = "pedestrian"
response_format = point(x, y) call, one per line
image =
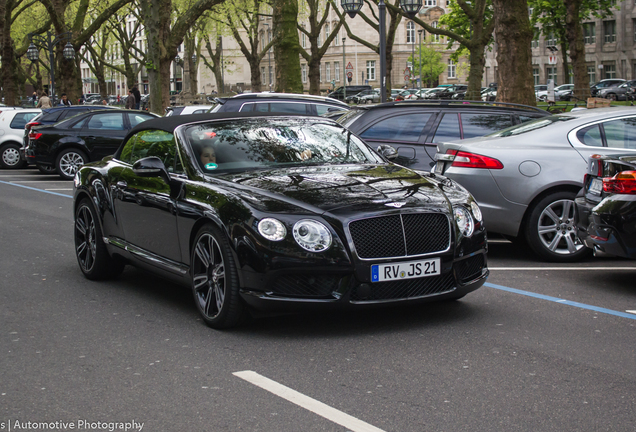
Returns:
point(45, 101)
point(34, 98)
point(131, 103)
point(137, 94)
point(65, 101)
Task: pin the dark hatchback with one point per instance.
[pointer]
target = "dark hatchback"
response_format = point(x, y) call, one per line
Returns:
point(70, 143)
point(415, 127)
point(254, 211)
point(51, 116)
point(606, 206)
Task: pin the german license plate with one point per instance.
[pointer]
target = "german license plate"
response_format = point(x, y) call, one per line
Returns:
point(405, 270)
point(439, 167)
point(596, 186)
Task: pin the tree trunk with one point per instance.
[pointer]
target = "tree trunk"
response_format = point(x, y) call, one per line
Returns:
point(513, 35)
point(286, 52)
point(9, 72)
point(566, 64)
point(476, 73)
point(255, 74)
point(577, 49)
point(313, 73)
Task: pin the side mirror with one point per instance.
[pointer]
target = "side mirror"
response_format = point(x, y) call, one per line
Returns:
point(388, 151)
point(151, 166)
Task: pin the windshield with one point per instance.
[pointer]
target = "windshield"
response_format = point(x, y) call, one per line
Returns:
point(531, 125)
point(274, 143)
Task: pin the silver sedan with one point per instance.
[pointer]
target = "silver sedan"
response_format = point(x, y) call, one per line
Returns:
point(525, 178)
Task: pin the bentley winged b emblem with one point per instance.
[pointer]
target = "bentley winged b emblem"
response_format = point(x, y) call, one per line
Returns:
point(395, 204)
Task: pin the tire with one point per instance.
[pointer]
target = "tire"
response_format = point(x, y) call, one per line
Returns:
point(46, 169)
point(611, 96)
point(90, 250)
point(68, 162)
point(215, 284)
point(550, 230)
point(10, 156)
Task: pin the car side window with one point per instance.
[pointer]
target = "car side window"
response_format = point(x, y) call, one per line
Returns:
point(474, 124)
point(107, 121)
point(398, 128)
point(282, 107)
point(591, 136)
point(152, 143)
point(322, 109)
point(136, 118)
point(525, 118)
point(80, 124)
point(448, 129)
point(21, 119)
point(621, 133)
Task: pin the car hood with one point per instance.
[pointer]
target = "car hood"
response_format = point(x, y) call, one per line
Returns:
point(341, 188)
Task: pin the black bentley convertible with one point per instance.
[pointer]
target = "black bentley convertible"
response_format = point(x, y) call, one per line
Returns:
point(256, 211)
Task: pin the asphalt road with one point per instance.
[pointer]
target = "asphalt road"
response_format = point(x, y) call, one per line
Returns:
point(541, 347)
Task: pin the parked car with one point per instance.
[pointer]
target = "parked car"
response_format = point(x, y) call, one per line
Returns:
point(71, 143)
point(415, 127)
point(278, 102)
point(286, 216)
point(606, 205)
point(185, 110)
point(595, 88)
point(525, 178)
point(419, 94)
point(559, 92)
point(618, 92)
point(489, 95)
point(49, 116)
point(12, 123)
point(339, 93)
point(365, 96)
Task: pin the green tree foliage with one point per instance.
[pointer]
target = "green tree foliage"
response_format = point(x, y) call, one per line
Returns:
point(431, 65)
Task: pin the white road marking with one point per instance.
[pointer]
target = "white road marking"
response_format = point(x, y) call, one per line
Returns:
point(631, 311)
point(41, 181)
point(561, 268)
point(317, 407)
point(59, 189)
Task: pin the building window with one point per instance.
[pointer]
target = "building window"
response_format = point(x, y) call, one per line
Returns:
point(410, 32)
point(303, 40)
point(550, 40)
point(320, 67)
point(609, 31)
point(589, 33)
point(263, 74)
point(337, 39)
point(535, 75)
point(327, 31)
point(551, 74)
point(610, 71)
point(336, 70)
point(328, 71)
point(452, 69)
point(319, 41)
point(591, 73)
point(271, 75)
point(430, 2)
point(435, 24)
point(303, 71)
point(535, 38)
point(371, 70)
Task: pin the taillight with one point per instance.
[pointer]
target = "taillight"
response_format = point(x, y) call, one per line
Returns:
point(29, 125)
point(622, 183)
point(35, 135)
point(472, 160)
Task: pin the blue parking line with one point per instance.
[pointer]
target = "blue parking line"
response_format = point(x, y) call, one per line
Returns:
point(35, 189)
point(563, 301)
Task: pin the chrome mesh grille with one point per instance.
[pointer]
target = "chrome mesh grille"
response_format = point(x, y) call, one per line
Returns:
point(400, 235)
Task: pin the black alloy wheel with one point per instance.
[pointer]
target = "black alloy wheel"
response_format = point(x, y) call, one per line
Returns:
point(215, 281)
point(92, 256)
point(10, 156)
point(550, 230)
point(69, 162)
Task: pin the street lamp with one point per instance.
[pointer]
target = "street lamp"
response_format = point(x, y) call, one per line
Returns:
point(269, 64)
point(420, 39)
point(49, 42)
point(410, 7)
point(344, 71)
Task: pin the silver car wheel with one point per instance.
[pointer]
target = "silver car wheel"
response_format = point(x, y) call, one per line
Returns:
point(557, 230)
point(11, 157)
point(70, 163)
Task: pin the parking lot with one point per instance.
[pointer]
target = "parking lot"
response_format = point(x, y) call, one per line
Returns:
point(541, 347)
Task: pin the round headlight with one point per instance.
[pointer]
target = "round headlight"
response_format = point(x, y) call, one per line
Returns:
point(312, 235)
point(464, 221)
point(476, 211)
point(272, 229)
